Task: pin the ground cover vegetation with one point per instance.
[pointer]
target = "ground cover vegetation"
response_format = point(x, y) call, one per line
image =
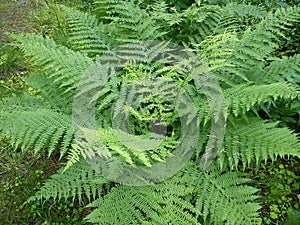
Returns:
point(252, 49)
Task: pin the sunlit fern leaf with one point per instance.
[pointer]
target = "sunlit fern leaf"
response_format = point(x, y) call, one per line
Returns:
point(171, 201)
point(137, 150)
point(215, 53)
point(78, 181)
point(74, 155)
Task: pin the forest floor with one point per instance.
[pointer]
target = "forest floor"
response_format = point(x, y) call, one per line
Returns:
point(14, 16)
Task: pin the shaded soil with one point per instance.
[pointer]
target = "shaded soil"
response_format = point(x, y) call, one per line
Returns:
point(14, 16)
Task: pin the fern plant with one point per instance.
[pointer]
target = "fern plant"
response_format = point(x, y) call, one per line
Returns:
point(238, 43)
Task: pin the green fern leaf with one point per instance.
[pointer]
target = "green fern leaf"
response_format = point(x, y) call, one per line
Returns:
point(242, 98)
point(40, 129)
point(62, 65)
point(225, 197)
point(86, 34)
point(254, 140)
point(159, 204)
point(78, 181)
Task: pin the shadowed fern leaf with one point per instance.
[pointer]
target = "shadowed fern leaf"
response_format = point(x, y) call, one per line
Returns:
point(258, 44)
point(128, 21)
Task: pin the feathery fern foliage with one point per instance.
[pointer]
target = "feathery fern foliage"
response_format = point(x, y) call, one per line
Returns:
point(41, 128)
point(254, 140)
point(182, 199)
point(80, 181)
point(237, 43)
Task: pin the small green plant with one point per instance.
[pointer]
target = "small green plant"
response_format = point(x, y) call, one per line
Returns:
point(9, 61)
point(280, 184)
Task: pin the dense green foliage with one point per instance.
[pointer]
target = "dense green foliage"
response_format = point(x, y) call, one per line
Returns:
point(251, 51)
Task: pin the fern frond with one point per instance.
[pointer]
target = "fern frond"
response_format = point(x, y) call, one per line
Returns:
point(202, 21)
point(62, 65)
point(250, 49)
point(161, 12)
point(226, 197)
point(142, 150)
point(243, 98)
point(254, 141)
point(23, 102)
point(74, 155)
point(257, 44)
point(131, 22)
point(215, 52)
point(171, 201)
point(239, 17)
point(50, 93)
point(239, 44)
point(78, 181)
point(38, 129)
point(285, 69)
point(156, 204)
point(87, 35)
